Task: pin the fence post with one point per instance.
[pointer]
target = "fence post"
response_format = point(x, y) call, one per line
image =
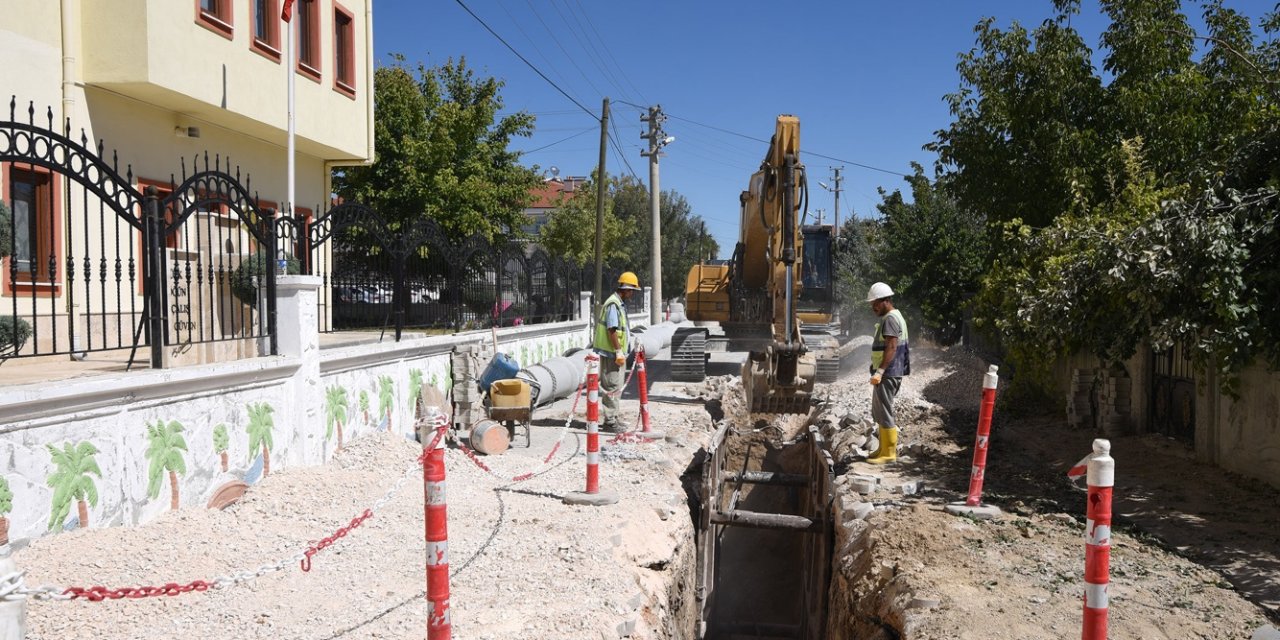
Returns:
point(153, 273)
point(1097, 537)
point(594, 495)
point(436, 522)
point(973, 506)
point(269, 272)
point(398, 296)
point(13, 613)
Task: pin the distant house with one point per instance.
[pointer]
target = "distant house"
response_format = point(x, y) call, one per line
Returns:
point(549, 195)
point(163, 83)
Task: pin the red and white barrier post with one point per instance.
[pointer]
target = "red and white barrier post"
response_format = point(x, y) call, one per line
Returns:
point(593, 495)
point(439, 620)
point(983, 441)
point(643, 383)
point(972, 506)
point(1097, 538)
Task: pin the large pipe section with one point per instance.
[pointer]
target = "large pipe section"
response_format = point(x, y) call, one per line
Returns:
point(559, 377)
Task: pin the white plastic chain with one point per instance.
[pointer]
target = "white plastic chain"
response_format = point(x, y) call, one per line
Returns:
point(12, 587)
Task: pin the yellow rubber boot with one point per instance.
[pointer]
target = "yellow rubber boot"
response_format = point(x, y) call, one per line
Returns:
point(888, 450)
point(879, 442)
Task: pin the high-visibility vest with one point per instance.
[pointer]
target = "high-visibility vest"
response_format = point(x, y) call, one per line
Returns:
point(901, 364)
point(601, 342)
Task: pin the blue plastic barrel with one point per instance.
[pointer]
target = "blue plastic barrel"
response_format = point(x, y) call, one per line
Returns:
point(501, 367)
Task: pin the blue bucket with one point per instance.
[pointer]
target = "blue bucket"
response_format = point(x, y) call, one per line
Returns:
point(501, 367)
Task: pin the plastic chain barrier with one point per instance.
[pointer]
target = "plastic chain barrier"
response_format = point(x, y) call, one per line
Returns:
point(642, 382)
point(989, 382)
point(11, 586)
point(1100, 468)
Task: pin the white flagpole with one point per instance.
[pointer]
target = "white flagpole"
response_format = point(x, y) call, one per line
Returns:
point(291, 74)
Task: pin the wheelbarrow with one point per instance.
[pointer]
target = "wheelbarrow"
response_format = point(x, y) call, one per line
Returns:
point(509, 404)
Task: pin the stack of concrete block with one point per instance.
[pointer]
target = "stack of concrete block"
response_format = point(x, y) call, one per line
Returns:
point(1080, 399)
point(1114, 403)
point(468, 406)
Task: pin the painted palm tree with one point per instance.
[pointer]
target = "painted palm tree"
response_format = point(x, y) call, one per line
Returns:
point(364, 406)
point(260, 427)
point(70, 480)
point(415, 389)
point(164, 453)
point(6, 505)
point(221, 442)
point(335, 411)
point(386, 397)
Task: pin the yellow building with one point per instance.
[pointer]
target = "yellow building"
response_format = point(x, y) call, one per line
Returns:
point(163, 83)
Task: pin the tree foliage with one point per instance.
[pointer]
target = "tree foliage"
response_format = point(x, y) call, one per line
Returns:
point(442, 152)
point(1139, 211)
point(570, 229)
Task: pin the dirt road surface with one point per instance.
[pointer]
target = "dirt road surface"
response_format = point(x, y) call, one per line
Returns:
point(1195, 552)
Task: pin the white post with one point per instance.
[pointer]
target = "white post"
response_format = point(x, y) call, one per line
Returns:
point(291, 74)
point(13, 613)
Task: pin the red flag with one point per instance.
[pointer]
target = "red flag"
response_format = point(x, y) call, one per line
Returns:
point(286, 13)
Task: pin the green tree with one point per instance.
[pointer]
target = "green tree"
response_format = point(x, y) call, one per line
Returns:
point(165, 447)
point(260, 428)
point(443, 152)
point(335, 411)
point(70, 480)
point(386, 397)
point(683, 236)
point(221, 442)
point(933, 254)
point(857, 266)
point(6, 505)
point(570, 230)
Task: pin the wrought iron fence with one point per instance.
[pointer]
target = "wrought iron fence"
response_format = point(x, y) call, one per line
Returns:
point(95, 259)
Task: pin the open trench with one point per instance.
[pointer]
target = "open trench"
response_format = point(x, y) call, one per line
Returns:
point(774, 553)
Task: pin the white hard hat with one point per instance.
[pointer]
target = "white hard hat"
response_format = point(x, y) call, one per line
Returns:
point(879, 290)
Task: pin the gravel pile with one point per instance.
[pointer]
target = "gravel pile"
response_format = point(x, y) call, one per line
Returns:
point(523, 563)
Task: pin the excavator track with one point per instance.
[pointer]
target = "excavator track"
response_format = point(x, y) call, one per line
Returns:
point(689, 355)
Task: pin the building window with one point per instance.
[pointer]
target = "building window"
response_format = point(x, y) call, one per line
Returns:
point(344, 51)
point(266, 28)
point(308, 18)
point(215, 15)
point(33, 205)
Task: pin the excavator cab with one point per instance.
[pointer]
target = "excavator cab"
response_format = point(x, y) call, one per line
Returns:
point(816, 303)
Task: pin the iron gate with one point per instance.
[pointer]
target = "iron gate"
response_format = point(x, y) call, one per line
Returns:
point(1173, 394)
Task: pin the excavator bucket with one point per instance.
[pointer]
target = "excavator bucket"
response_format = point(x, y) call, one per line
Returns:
point(765, 394)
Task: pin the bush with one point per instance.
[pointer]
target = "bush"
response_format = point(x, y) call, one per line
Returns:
point(13, 333)
point(244, 279)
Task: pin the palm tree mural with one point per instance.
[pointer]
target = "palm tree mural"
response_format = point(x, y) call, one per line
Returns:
point(164, 453)
point(364, 406)
point(415, 389)
point(70, 481)
point(260, 427)
point(6, 505)
point(335, 411)
point(221, 442)
point(386, 396)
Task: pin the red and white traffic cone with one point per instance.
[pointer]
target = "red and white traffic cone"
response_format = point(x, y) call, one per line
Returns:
point(972, 506)
point(593, 495)
point(1097, 538)
point(642, 381)
point(439, 620)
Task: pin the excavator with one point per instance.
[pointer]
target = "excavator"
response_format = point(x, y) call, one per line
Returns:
point(773, 299)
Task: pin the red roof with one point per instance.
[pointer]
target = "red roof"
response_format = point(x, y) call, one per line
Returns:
point(548, 195)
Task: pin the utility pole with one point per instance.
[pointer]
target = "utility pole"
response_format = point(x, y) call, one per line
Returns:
point(836, 180)
point(657, 139)
point(600, 192)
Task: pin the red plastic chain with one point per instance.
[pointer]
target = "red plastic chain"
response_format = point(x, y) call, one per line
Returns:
point(337, 535)
point(99, 593)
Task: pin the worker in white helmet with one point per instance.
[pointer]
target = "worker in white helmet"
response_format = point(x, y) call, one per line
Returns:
point(890, 360)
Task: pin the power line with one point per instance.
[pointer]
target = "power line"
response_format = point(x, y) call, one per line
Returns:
point(618, 145)
point(587, 18)
point(812, 153)
point(558, 141)
point(556, 40)
point(526, 61)
point(587, 46)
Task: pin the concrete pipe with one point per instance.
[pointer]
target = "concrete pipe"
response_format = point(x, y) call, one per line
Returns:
point(558, 378)
point(654, 338)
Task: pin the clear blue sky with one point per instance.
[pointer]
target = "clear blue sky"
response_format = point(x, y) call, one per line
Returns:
point(866, 79)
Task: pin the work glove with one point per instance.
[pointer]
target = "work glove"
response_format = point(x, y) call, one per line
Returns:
point(876, 375)
point(620, 359)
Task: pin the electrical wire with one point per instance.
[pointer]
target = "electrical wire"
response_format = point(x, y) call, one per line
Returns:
point(558, 141)
point(587, 18)
point(526, 60)
point(556, 40)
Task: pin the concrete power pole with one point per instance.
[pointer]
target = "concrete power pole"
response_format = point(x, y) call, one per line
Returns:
point(657, 139)
point(836, 180)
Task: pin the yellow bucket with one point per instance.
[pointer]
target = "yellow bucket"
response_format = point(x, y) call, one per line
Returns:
point(512, 392)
